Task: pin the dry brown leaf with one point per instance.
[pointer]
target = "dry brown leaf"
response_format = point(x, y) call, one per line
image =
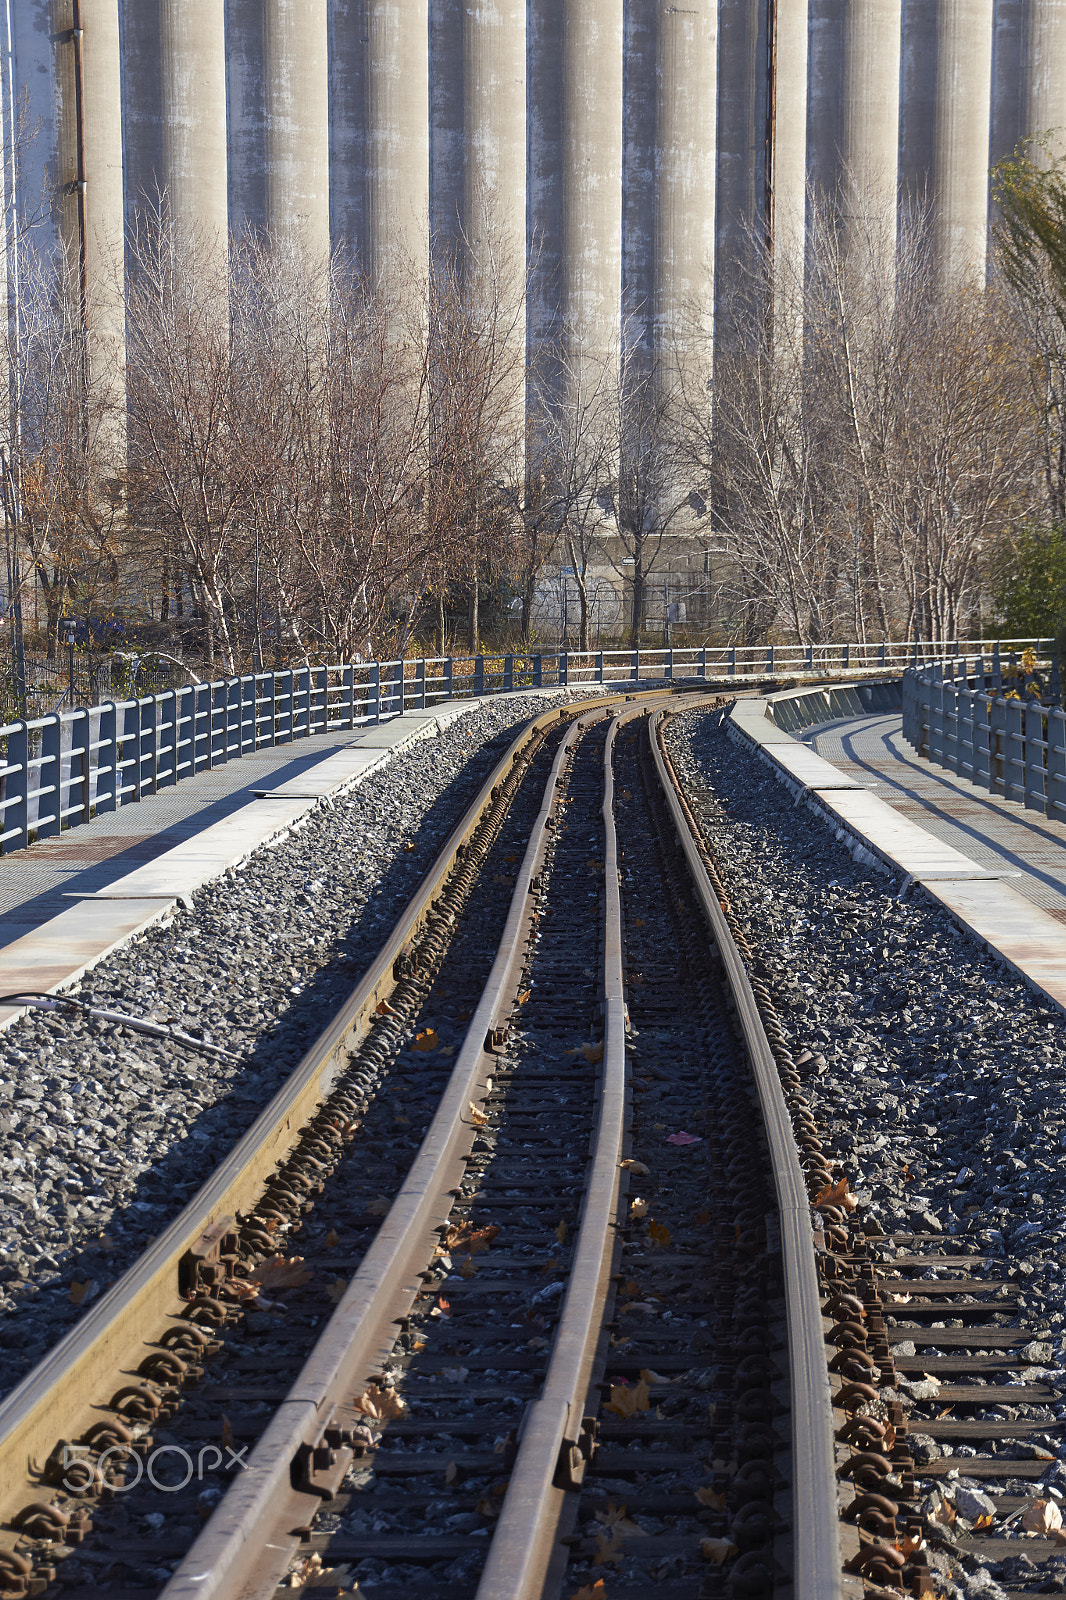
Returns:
point(835, 1194)
point(631, 1287)
point(337, 1290)
point(385, 1010)
point(468, 1268)
point(308, 1569)
point(649, 1375)
point(426, 1040)
point(945, 1513)
point(523, 996)
point(464, 1236)
point(487, 1507)
point(281, 1272)
point(637, 1168)
point(638, 1208)
point(702, 1218)
point(592, 1052)
point(907, 1546)
point(985, 1521)
point(333, 1239)
point(1041, 1516)
point(226, 1435)
point(657, 1233)
point(380, 1404)
point(717, 1550)
point(403, 1122)
point(627, 1400)
point(378, 1207)
point(714, 1502)
point(615, 1521)
point(591, 1591)
point(80, 1292)
point(637, 1305)
point(609, 1550)
point(478, 1118)
point(560, 1232)
point(451, 1472)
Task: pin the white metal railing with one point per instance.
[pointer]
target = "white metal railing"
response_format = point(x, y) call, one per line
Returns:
point(964, 715)
point(59, 770)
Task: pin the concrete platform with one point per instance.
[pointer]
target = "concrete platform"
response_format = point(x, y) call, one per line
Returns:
point(128, 869)
point(999, 870)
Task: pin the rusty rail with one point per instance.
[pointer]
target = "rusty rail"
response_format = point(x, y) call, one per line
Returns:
point(817, 1558)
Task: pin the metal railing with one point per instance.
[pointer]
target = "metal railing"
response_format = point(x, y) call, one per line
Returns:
point(962, 715)
point(59, 770)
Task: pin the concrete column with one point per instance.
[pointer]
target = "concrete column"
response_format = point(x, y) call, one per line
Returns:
point(348, 149)
point(825, 95)
point(640, 151)
point(592, 179)
point(685, 192)
point(1009, 78)
point(447, 127)
point(963, 112)
point(544, 216)
point(788, 131)
point(870, 136)
point(1044, 109)
point(246, 116)
point(742, 105)
point(297, 121)
point(192, 39)
point(494, 93)
point(918, 90)
point(398, 140)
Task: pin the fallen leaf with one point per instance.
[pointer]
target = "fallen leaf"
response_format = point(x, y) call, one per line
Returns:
point(649, 1375)
point(468, 1268)
point(451, 1472)
point(592, 1052)
point(637, 1305)
point(523, 996)
point(714, 1502)
point(658, 1127)
point(631, 1287)
point(537, 1344)
point(985, 1521)
point(945, 1512)
point(1041, 1516)
point(379, 1403)
point(385, 1010)
point(610, 1550)
point(409, 847)
point(227, 1433)
point(333, 1239)
point(281, 1272)
point(104, 1242)
point(702, 1218)
point(591, 1591)
point(378, 1207)
point(835, 1194)
point(637, 1168)
point(426, 1040)
point(337, 1289)
point(487, 1507)
point(638, 1208)
point(550, 1266)
point(627, 1400)
point(560, 1233)
point(683, 1138)
point(717, 1550)
point(456, 1374)
point(478, 1118)
point(615, 1520)
point(657, 1233)
point(444, 1307)
point(308, 1569)
point(464, 1236)
point(82, 1292)
point(404, 1122)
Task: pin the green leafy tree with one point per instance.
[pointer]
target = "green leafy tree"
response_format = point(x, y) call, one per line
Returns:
point(1030, 595)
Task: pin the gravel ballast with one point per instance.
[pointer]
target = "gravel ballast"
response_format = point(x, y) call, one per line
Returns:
point(937, 1077)
point(105, 1134)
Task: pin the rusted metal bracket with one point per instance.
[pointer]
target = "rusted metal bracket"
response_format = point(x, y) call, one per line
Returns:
point(320, 1467)
point(208, 1260)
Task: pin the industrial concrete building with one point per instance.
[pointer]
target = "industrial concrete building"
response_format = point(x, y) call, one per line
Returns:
point(617, 145)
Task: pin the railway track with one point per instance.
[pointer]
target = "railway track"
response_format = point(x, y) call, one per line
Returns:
point(512, 1292)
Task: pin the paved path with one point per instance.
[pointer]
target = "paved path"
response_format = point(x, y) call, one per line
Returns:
point(998, 834)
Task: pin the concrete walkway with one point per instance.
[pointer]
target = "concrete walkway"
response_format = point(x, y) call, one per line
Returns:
point(1026, 848)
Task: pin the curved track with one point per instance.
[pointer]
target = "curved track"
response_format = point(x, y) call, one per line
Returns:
point(498, 1296)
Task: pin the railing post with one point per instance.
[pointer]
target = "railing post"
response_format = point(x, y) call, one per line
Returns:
point(1033, 756)
point(17, 786)
point(882, 654)
point(420, 681)
point(148, 740)
point(997, 668)
point(508, 672)
point(447, 679)
point(479, 674)
point(634, 666)
point(1056, 763)
point(808, 659)
point(50, 773)
point(538, 670)
point(732, 667)
point(846, 661)
point(599, 666)
point(564, 667)
point(703, 662)
point(106, 759)
point(374, 706)
point(167, 701)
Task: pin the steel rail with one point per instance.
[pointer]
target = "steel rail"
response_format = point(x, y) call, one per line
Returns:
point(817, 1558)
point(552, 1440)
point(61, 1397)
point(247, 1545)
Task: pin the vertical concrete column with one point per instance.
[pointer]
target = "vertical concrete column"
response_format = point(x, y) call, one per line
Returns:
point(1045, 64)
point(1009, 78)
point(963, 114)
point(447, 128)
point(825, 96)
point(245, 116)
point(544, 225)
point(348, 150)
point(592, 179)
point(685, 192)
point(398, 140)
point(741, 138)
point(918, 92)
point(870, 143)
point(494, 93)
point(295, 63)
point(640, 175)
point(788, 125)
point(192, 40)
